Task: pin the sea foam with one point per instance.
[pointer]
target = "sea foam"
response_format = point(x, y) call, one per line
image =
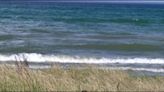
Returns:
point(35, 57)
point(138, 69)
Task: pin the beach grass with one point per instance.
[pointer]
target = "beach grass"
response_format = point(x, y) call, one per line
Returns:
point(74, 79)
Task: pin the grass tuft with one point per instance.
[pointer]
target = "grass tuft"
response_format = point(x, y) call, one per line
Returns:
point(90, 78)
point(74, 79)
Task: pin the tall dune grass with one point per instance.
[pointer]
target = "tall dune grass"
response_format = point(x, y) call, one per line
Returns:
point(74, 79)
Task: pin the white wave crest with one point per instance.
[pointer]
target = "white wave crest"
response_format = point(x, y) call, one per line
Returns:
point(34, 57)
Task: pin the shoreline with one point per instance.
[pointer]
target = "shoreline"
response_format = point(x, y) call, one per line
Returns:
point(136, 71)
point(73, 79)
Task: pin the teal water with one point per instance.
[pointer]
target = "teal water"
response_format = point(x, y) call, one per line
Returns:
point(85, 30)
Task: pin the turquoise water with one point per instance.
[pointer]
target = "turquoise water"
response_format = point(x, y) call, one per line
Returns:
point(91, 31)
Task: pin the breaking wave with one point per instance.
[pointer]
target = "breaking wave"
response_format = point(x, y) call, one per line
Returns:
point(35, 57)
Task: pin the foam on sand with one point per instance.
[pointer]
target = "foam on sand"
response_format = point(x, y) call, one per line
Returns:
point(139, 69)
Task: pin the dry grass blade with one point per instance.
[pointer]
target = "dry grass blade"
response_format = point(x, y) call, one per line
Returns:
point(73, 79)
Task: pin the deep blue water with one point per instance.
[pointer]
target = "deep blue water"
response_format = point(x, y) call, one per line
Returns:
point(83, 30)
